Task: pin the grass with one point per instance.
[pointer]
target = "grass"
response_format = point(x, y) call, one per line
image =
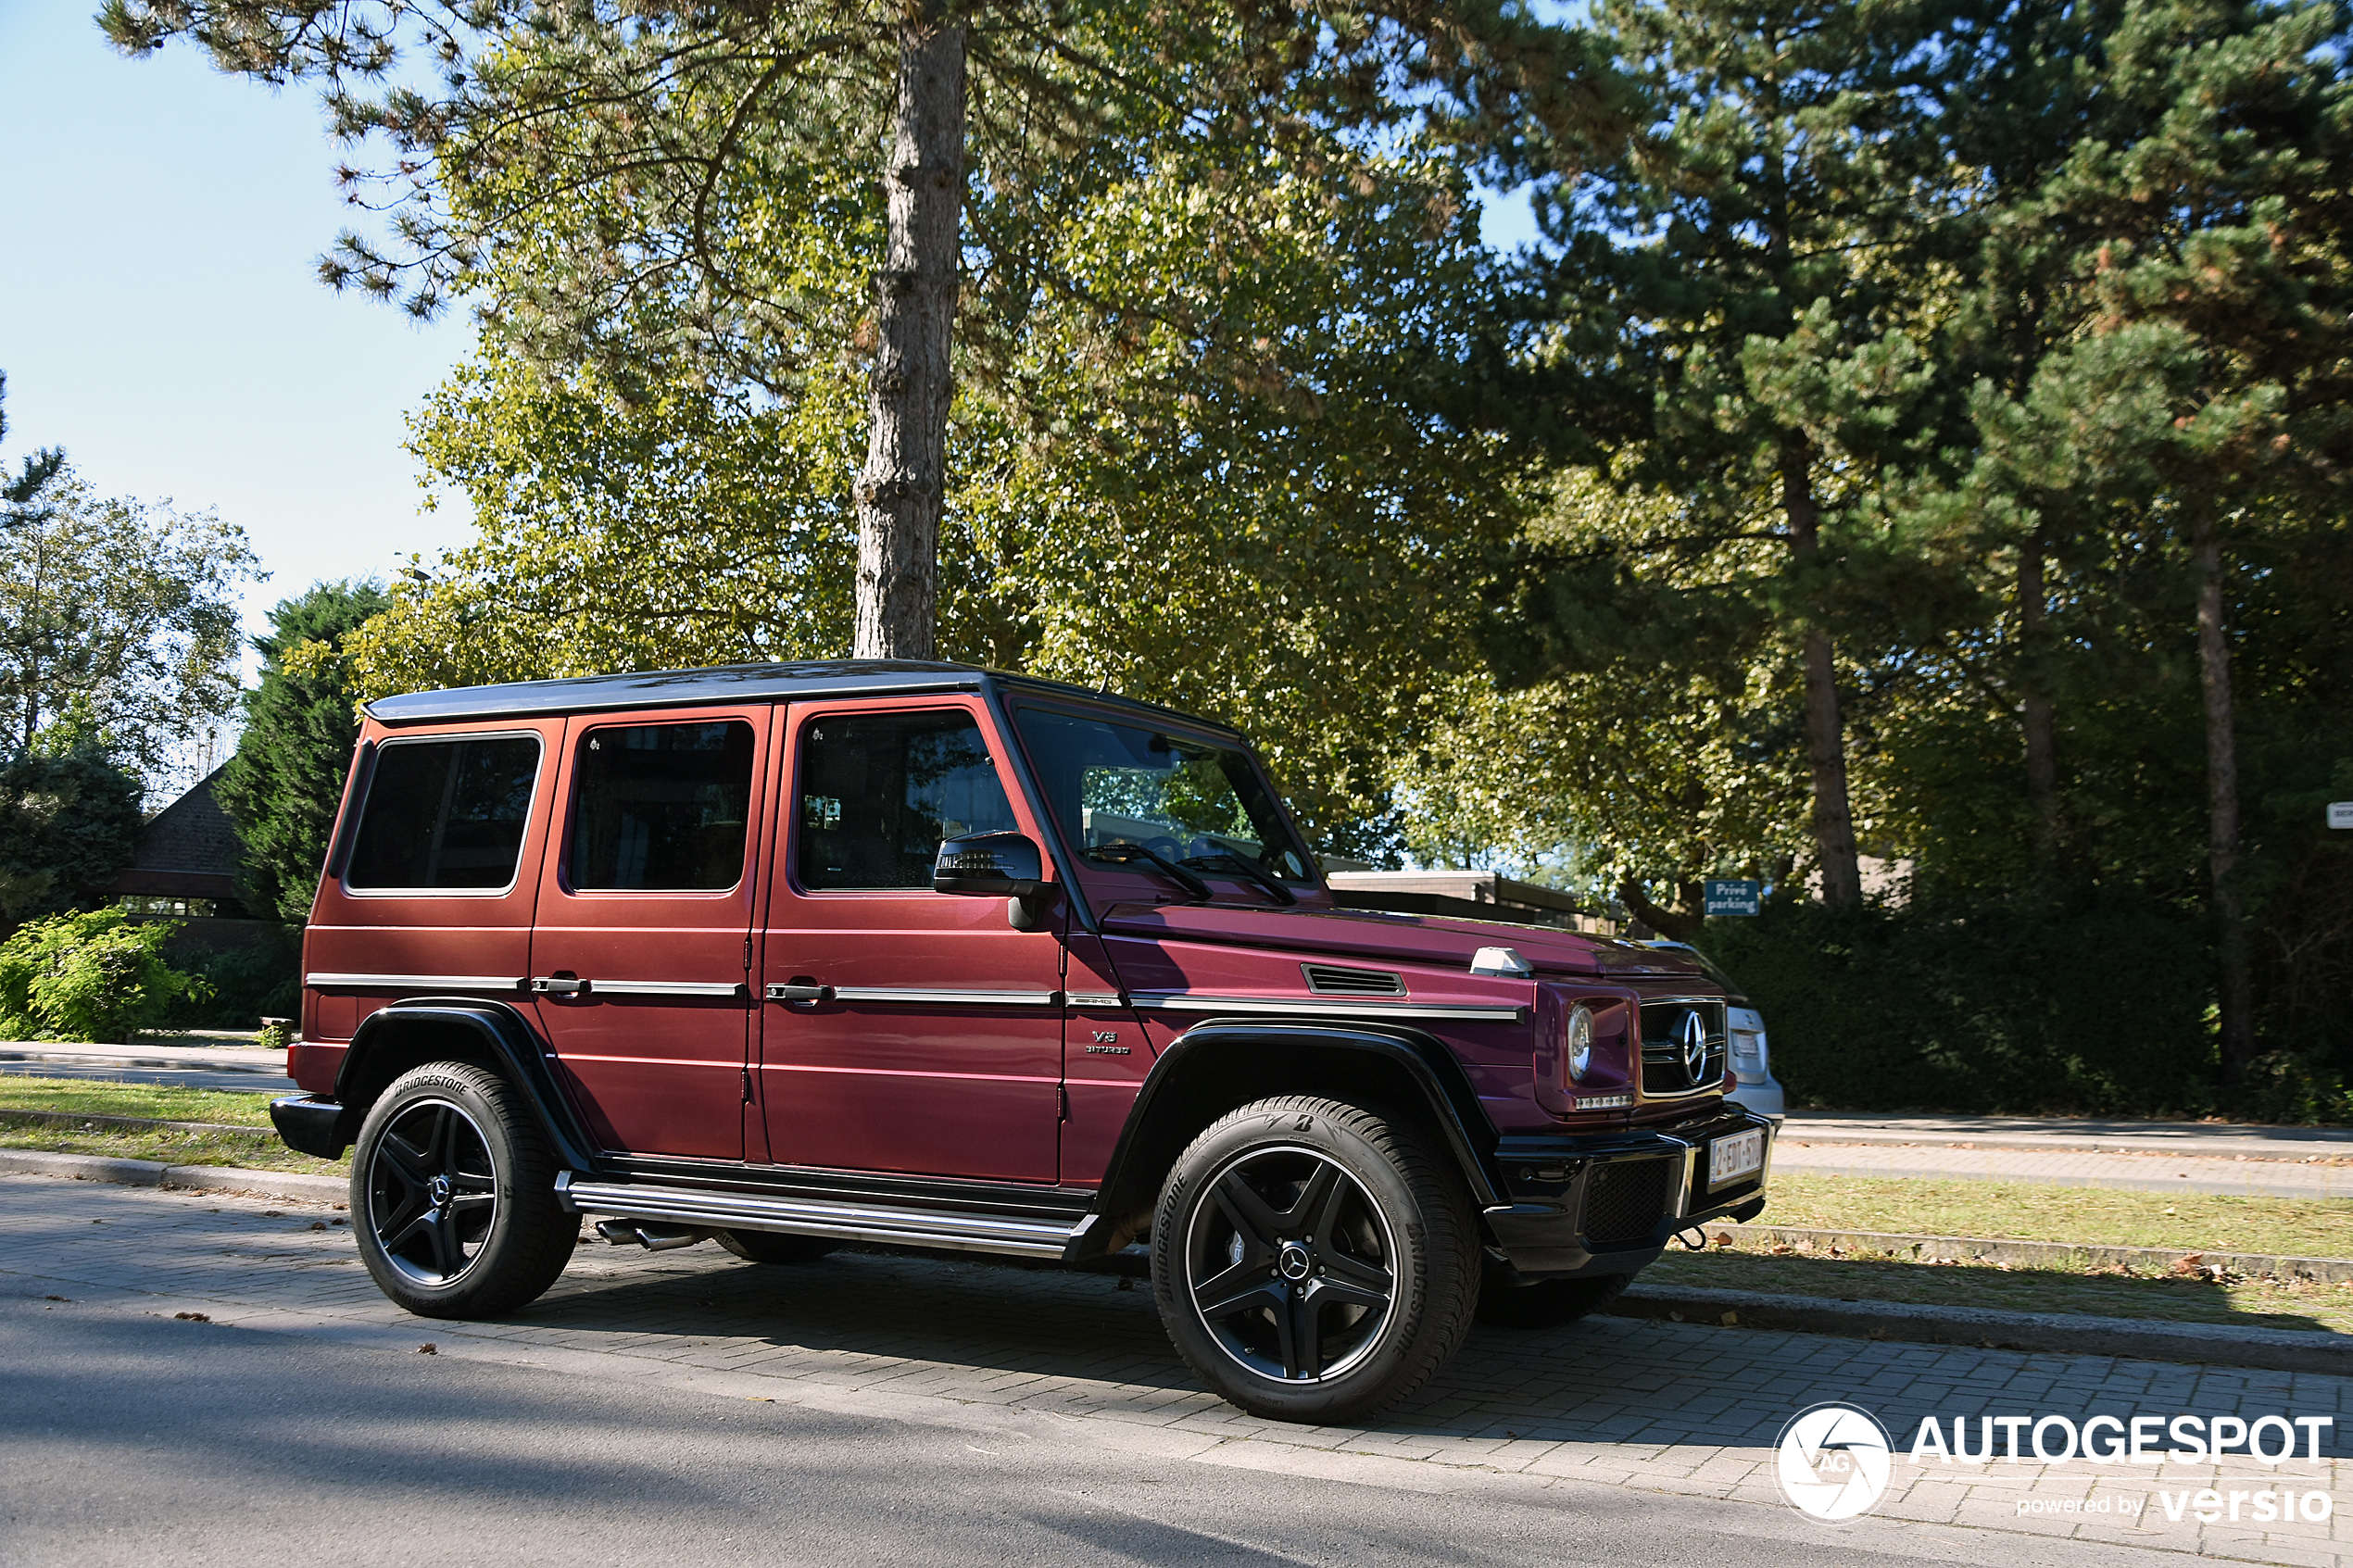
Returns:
point(257, 1149)
point(2088, 1216)
point(106, 1098)
point(2262, 1303)
point(253, 1151)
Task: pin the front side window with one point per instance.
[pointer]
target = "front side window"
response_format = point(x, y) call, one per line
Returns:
point(445, 814)
point(661, 807)
point(879, 791)
point(1199, 804)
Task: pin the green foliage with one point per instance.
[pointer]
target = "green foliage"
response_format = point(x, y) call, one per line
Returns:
point(96, 975)
point(2092, 1005)
point(241, 985)
point(286, 780)
point(117, 626)
point(68, 823)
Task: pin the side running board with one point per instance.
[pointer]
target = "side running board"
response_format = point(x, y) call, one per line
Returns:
point(808, 1216)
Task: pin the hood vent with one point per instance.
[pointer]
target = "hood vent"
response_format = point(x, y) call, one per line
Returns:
point(1330, 980)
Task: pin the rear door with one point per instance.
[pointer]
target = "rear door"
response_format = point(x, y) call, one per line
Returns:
point(640, 960)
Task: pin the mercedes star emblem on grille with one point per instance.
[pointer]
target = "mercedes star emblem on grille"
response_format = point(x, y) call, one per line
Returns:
point(1694, 1046)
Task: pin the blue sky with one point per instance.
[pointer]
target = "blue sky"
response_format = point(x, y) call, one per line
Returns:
point(159, 314)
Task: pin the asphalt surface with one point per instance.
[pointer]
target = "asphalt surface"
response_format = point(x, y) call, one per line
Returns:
point(209, 1377)
point(141, 1440)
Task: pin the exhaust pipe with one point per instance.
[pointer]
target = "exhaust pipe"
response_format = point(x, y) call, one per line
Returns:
point(646, 1234)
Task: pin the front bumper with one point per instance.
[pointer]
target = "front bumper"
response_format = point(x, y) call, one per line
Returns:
point(1608, 1203)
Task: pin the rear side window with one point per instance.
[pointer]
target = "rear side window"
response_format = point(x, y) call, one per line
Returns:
point(445, 814)
point(879, 791)
point(661, 807)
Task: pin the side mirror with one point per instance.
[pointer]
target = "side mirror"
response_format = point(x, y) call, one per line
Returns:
point(998, 865)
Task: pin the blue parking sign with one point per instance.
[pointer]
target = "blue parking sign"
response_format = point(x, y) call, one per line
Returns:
point(1733, 897)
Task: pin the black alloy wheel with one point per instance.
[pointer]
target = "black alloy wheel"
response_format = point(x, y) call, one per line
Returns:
point(1287, 1264)
point(433, 1195)
point(1313, 1260)
point(453, 1195)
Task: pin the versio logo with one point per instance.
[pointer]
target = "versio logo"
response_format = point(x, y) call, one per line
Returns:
point(1834, 1463)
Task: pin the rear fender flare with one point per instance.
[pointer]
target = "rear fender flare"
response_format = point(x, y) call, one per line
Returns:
point(1216, 1066)
point(411, 1033)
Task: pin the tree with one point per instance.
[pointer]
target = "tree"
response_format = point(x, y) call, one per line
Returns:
point(69, 821)
point(1212, 501)
point(286, 780)
point(116, 625)
point(20, 495)
point(2202, 398)
point(657, 127)
point(1738, 318)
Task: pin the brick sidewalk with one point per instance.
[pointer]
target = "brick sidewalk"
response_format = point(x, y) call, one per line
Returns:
point(1660, 1408)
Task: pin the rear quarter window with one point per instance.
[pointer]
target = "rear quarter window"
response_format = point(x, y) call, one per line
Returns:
point(444, 816)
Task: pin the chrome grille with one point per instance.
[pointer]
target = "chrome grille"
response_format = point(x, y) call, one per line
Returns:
point(1666, 1030)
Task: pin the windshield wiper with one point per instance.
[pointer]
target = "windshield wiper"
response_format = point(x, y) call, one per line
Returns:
point(1275, 889)
point(1128, 854)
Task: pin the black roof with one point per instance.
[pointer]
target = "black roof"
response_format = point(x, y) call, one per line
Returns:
point(730, 683)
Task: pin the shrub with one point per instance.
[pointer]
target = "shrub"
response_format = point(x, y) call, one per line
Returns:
point(2092, 1005)
point(243, 984)
point(96, 976)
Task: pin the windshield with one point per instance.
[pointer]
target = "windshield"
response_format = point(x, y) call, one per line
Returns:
point(1185, 798)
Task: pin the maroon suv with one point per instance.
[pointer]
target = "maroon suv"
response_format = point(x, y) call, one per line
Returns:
point(781, 956)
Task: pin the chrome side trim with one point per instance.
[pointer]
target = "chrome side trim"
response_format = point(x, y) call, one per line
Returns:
point(1194, 1001)
point(667, 988)
point(941, 995)
point(806, 1216)
point(414, 982)
point(1094, 999)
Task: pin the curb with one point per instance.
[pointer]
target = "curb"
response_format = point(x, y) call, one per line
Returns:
point(301, 1185)
point(2263, 1349)
point(1986, 1249)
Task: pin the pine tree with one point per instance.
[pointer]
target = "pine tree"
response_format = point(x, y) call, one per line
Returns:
point(1740, 320)
point(285, 781)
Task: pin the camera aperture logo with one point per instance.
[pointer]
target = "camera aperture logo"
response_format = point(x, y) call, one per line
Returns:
point(1834, 1463)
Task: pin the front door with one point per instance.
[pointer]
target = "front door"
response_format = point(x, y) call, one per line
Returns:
point(641, 961)
point(909, 1031)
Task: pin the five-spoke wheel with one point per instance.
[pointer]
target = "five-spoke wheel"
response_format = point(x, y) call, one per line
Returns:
point(453, 1195)
point(1313, 1260)
point(1287, 1264)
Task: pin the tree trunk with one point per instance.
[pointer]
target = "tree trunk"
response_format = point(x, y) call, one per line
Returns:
point(1674, 926)
point(899, 493)
point(1825, 731)
point(2238, 992)
point(2040, 716)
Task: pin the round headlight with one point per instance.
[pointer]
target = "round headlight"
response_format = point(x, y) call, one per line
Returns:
point(1580, 1040)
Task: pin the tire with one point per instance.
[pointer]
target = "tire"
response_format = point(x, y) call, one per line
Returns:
point(774, 1246)
point(453, 1195)
point(1548, 1303)
point(1313, 1260)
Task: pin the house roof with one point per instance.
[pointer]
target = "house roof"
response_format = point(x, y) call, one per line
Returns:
point(190, 849)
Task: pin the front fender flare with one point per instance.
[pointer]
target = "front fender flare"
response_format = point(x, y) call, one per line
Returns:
point(1439, 1087)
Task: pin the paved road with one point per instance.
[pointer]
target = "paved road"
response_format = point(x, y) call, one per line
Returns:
point(925, 1410)
point(232, 1067)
